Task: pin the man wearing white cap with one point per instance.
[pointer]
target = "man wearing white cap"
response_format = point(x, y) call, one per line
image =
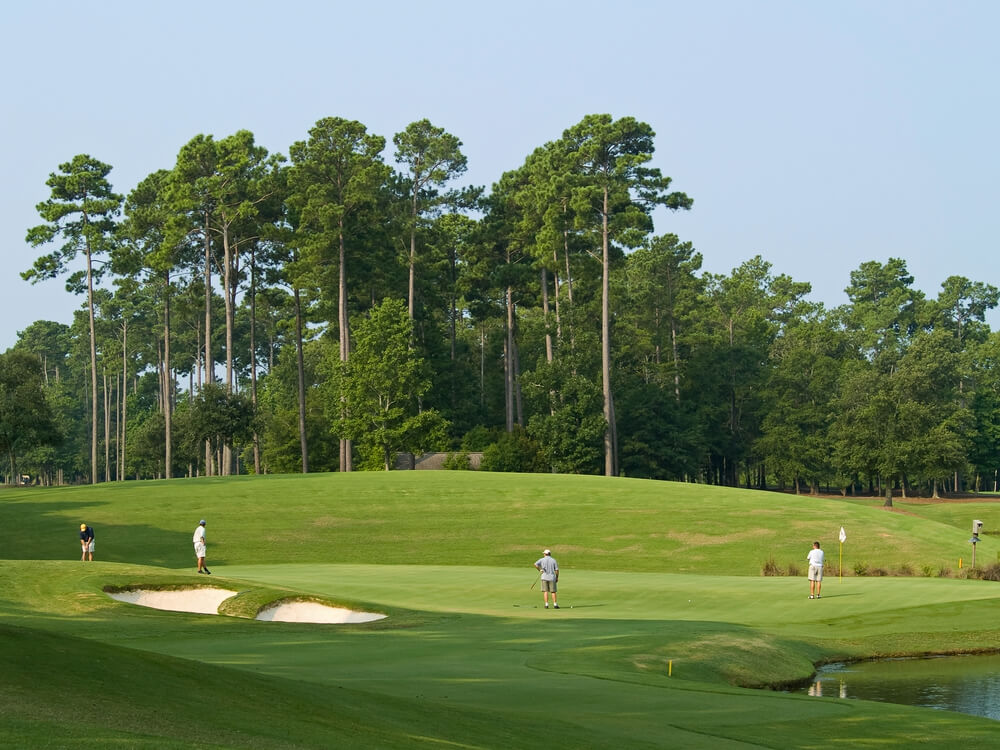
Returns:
point(550, 577)
point(199, 547)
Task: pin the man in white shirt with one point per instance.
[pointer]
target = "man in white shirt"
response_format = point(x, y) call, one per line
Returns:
point(549, 576)
point(199, 547)
point(815, 560)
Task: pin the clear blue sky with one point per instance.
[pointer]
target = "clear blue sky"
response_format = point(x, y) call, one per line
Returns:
point(818, 135)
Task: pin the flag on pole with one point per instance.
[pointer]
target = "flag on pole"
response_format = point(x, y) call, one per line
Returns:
point(843, 538)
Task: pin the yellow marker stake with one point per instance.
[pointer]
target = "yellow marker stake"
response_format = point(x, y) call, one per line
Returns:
point(670, 668)
point(960, 563)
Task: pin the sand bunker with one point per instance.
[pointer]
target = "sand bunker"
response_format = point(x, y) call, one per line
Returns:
point(202, 601)
point(313, 612)
point(206, 601)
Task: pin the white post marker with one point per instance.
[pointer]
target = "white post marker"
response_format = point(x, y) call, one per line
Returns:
point(843, 538)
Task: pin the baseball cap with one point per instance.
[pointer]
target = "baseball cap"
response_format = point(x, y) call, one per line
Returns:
point(201, 522)
point(547, 552)
point(83, 527)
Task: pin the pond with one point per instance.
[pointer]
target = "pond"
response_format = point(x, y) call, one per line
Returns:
point(967, 684)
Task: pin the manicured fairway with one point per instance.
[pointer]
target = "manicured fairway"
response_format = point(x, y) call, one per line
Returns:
point(467, 657)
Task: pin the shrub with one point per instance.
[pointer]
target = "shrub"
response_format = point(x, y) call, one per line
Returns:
point(793, 570)
point(860, 568)
point(927, 570)
point(878, 572)
point(513, 451)
point(478, 438)
point(457, 461)
point(905, 570)
point(770, 568)
point(992, 572)
point(944, 572)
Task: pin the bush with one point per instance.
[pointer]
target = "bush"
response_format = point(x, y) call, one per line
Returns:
point(793, 570)
point(878, 572)
point(770, 568)
point(905, 570)
point(944, 572)
point(927, 570)
point(513, 451)
point(860, 568)
point(478, 438)
point(457, 461)
point(992, 572)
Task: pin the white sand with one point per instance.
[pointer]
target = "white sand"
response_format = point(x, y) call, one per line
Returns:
point(313, 612)
point(206, 601)
point(203, 601)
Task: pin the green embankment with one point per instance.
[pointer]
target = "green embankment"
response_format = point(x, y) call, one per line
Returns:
point(656, 578)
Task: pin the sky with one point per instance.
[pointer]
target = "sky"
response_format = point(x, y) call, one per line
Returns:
point(819, 136)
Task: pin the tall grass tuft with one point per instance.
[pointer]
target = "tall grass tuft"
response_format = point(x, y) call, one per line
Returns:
point(771, 568)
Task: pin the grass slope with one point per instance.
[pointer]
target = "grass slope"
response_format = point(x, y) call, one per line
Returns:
point(466, 657)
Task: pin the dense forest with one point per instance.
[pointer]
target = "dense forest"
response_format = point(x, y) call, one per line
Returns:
point(248, 312)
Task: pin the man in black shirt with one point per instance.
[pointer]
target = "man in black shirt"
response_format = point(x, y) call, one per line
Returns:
point(86, 541)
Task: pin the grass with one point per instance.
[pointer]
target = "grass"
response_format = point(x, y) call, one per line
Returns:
point(658, 576)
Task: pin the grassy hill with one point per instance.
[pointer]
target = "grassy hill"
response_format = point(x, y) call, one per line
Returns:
point(661, 577)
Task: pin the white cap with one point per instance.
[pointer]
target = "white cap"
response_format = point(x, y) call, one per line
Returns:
point(547, 552)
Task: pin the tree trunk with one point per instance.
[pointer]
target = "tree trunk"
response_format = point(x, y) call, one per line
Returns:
point(93, 368)
point(168, 402)
point(555, 295)
point(677, 359)
point(509, 361)
point(123, 393)
point(346, 457)
point(107, 429)
point(609, 458)
point(209, 363)
point(545, 315)
point(413, 253)
point(253, 355)
point(302, 380)
point(228, 293)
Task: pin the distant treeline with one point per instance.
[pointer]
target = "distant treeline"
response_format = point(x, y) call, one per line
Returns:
point(248, 312)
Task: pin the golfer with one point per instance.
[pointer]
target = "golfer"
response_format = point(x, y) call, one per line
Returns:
point(199, 547)
point(86, 542)
point(815, 560)
point(550, 577)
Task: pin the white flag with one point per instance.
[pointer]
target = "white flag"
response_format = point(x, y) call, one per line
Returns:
point(843, 535)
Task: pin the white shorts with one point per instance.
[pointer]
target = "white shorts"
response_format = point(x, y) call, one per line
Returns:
point(815, 572)
point(87, 547)
point(199, 549)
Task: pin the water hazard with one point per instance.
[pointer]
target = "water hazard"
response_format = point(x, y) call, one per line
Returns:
point(967, 684)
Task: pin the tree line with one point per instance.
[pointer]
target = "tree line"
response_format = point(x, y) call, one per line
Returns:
point(250, 312)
